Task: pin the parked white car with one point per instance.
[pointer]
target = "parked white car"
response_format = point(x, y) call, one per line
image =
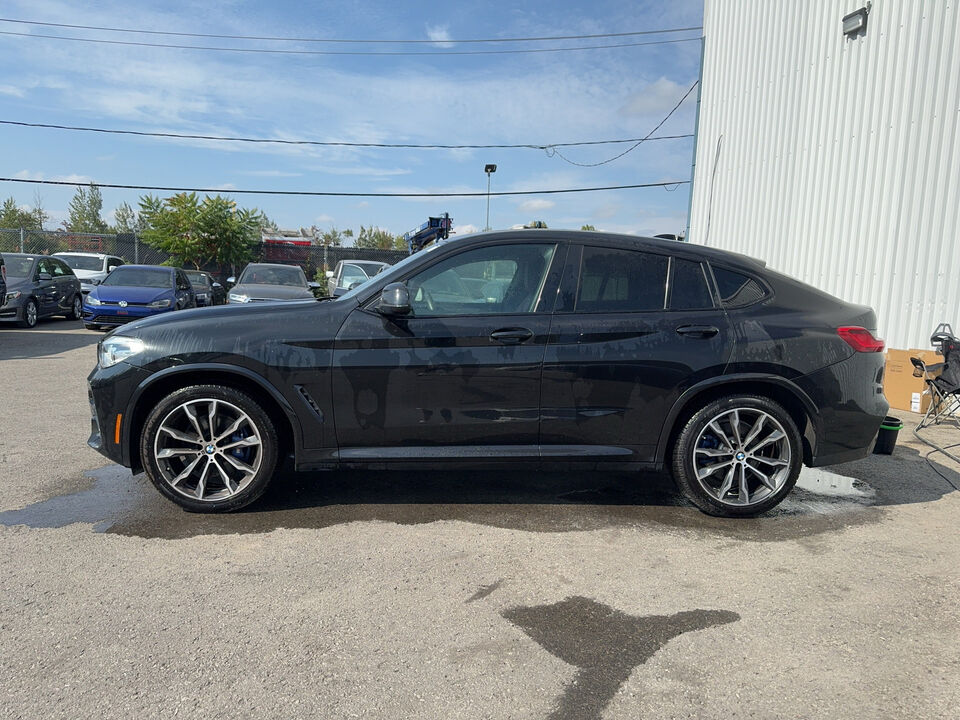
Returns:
point(350, 273)
point(90, 268)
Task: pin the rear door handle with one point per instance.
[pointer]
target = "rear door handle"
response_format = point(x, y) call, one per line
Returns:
point(511, 336)
point(700, 331)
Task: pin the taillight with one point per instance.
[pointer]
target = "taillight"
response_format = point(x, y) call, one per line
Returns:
point(860, 339)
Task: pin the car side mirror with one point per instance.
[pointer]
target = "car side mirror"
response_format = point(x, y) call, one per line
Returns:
point(111, 268)
point(45, 276)
point(395, 300)
point(232, 280)
point(329, 274)
point(217, 285)
point(313, 285)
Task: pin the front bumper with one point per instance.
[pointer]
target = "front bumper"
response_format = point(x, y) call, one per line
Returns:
point(114, 315)
point(12, 311)
point(109, 391)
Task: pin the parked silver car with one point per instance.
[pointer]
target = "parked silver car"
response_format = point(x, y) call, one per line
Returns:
point(350, 273)
point(261, 282)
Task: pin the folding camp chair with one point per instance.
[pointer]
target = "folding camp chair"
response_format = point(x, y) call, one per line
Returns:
point(945, 387)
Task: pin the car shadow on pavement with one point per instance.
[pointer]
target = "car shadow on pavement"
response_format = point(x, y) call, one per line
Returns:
point(49, 337)
point(531, 501)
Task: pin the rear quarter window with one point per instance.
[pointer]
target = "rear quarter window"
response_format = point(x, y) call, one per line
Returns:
point(736, 289)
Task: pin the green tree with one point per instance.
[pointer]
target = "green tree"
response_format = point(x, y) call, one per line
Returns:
point(13, 216)
point(335, 237)
point(588, 227)
point(127, 220)
point(85, 209)
point(194, 232)
point(374, 237)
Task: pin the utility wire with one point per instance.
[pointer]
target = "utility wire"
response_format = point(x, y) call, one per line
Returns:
point(343, 41)
point(552, 150)
point(334, 143)
point(345, 52)
point(311, 193)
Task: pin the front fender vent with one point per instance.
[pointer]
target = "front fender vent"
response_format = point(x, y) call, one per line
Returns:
point(311, 403)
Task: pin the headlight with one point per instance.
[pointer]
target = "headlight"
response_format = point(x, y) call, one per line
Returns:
point(13, 295)
point(160, 303)
point(91, 300)
point(117, 349)
point(235, 297)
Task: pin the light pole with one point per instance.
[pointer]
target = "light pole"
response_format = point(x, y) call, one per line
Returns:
point(489, 169)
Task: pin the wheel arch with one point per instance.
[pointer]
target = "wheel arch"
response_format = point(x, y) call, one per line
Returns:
point(793, 399)
point(162, 383)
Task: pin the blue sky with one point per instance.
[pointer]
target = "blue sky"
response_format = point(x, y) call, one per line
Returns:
point(535, 98)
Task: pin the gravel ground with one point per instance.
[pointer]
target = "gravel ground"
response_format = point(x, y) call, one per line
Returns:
point(397, 595)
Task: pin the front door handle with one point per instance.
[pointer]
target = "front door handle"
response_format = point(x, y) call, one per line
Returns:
point(700, 331)
point(511, 336)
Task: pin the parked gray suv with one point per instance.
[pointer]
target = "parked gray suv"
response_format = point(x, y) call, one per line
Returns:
point(39, 286)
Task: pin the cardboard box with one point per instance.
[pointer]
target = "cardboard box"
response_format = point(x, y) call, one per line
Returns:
point(903, 390)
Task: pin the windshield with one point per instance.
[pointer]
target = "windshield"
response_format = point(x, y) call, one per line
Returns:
point(140, 277)
point(272, 275)
point(19, 266)
point(82, 262)
point(198, 278)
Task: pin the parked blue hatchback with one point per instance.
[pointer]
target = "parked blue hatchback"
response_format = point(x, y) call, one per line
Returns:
point(131, 292)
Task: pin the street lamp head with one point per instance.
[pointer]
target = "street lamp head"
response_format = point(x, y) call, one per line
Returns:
point(489, 168)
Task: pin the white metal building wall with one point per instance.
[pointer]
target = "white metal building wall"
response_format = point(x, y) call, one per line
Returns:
point(837, 160)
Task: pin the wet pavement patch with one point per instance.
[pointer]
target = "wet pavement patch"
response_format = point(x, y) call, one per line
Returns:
point(604, 644)
point(123, 504)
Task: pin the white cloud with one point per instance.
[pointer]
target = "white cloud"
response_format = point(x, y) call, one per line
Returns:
point(440, 35)
point(323, 219)
point(657, 97)
point(465, 229)
point(72, 178)
point(270, 173)
point(11, 90)
point(536, 205)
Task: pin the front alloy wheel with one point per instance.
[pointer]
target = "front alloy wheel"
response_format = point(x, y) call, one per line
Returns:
point(209, 448)
point(29, 314)
point(738, 456)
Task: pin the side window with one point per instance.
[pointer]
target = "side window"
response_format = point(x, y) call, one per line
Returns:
point(688, 286)
point(45, 266)
point(182, 282)
point(736, 289)
point(114, 262)
point(614, 280)
point(501, 279)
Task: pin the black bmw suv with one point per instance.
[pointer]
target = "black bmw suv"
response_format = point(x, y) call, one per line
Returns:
point(534, 348)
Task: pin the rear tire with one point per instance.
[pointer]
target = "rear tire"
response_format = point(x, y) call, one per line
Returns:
point(209, 448)
point(76, 309)
point(737, 456)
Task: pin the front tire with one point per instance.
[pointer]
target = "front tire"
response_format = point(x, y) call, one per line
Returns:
point(29, 314)
point(738, 456)
point(209, 448)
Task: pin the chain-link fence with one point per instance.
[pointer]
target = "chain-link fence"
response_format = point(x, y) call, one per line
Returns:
point(312, 258)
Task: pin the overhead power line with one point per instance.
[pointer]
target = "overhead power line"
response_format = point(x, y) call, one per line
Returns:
point(273, 38)
point(277, 51)
point(553, 151)
point(313, 193)
point(336, 143)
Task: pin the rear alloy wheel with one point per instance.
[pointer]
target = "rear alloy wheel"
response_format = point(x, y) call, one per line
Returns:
point(738, 456)
point(29, 314)
point(76, 309)
point(209, 448)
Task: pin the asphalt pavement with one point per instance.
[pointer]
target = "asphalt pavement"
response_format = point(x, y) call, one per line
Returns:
point(460, 595)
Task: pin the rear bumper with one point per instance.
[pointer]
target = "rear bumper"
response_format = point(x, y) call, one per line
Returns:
point(851, 404)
